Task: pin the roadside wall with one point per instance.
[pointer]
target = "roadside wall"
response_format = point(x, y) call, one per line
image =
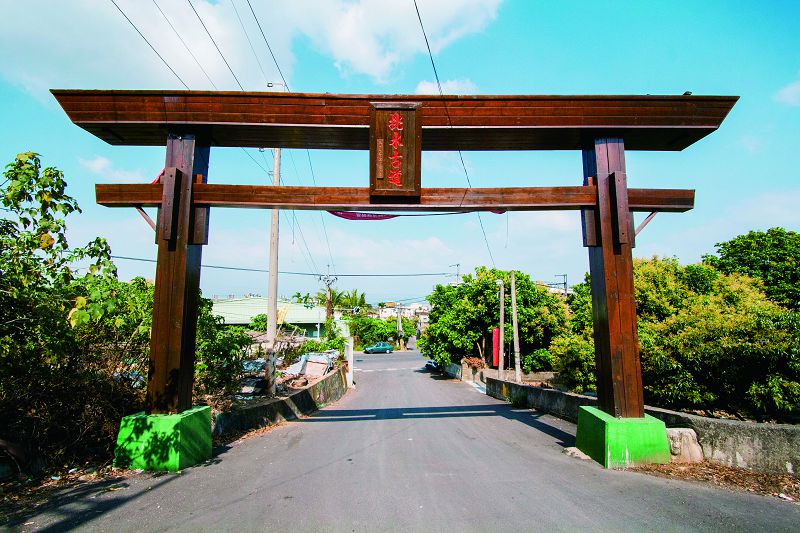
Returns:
point(772, 448)
point(479, 375)
point(257, 414)
point(453, 370)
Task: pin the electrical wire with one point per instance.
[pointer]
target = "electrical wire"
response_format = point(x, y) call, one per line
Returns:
point(450, 123)
point(150, 45)
point(295, 273)
point(186, 46)
point(308, 152)
point(215, 45)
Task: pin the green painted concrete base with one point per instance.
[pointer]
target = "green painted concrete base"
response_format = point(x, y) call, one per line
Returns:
point(621, 442)
point(164, 442)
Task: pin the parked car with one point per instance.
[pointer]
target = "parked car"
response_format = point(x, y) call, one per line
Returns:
point(433, 366)
point(379, 347)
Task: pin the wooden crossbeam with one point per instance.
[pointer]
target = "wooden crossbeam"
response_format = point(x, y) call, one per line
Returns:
point(432, 199)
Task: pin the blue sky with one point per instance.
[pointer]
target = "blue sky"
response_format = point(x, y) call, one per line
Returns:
point(745, 174)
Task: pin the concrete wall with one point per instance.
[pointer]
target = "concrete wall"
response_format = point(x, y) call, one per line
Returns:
point(261, 413)
point(453, 370)
point(773, 448)
point(479, 375)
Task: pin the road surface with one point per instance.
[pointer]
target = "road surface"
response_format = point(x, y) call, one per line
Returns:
point(410, 451)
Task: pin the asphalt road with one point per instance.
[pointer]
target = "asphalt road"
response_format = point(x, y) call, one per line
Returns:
point(408, 450)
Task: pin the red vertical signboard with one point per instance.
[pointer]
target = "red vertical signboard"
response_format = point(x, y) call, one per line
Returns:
point(395, 136)
point(496, 347)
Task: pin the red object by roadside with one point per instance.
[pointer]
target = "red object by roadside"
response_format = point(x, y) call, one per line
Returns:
point(496, 347)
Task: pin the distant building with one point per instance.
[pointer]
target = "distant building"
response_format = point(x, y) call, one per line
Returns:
point(306, 321)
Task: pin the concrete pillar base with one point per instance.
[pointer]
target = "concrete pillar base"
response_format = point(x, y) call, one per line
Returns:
point(621, 442)
point(162, 442)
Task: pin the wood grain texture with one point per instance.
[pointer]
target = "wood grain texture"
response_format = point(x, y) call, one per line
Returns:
point(485, 122)
point(358, 198)
point(177, 283)
point(618, 369)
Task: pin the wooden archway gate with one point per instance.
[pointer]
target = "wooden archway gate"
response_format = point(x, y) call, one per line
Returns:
point(191, 122)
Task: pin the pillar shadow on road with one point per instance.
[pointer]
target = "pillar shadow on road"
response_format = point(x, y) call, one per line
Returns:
point(526, 416)
point(81, 503)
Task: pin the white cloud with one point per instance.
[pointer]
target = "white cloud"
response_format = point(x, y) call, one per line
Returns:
point(88, 44)
point(789, 95)
point(465, 86)
point(104, 168)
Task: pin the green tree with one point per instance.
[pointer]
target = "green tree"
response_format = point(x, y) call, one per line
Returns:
point(462, 317)
point(772, 256)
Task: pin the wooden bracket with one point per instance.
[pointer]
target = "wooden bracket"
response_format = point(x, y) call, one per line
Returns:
point(198, 232)
point(646, 221)
point(170, 202)
point(620, 212)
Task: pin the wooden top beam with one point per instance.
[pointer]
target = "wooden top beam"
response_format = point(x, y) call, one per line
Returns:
point(340, 121)
point(358, 198)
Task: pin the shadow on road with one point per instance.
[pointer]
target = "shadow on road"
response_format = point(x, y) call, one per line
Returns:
point(80, 504)
point(525, 416)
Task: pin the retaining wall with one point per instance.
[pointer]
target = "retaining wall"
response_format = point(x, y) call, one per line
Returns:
point(262, 413)
point(773, 448)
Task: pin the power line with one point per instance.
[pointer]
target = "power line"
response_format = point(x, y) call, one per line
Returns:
point(241, 23)
point(308, 152)
point(186, 46)
point(215, 44)
point(450, 123)
point(295, 273)
point(150, 45)
point(258, 22)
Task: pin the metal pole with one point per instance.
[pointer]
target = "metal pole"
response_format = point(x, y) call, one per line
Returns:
point(272, 295)
point(348, 352)
point(517, 363)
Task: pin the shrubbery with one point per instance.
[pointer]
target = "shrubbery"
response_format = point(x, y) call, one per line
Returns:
point(74, 348)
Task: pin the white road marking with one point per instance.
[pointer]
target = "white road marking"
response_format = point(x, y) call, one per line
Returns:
point(386, 369)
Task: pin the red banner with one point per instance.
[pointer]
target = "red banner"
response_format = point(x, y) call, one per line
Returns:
point(359, 215)
point(496, 347)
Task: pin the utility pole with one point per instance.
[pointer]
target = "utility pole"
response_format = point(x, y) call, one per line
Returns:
point(517, 363)
point(501, 362)
point(328, 280)
point(564, 283)
point(399, 329)
point(272, 294)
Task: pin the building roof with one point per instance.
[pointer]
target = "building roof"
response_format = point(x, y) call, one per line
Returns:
point(240, 311)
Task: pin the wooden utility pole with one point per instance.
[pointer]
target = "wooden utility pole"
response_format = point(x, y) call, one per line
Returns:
point(272, 294)
point(517, 363)
point(328, 280)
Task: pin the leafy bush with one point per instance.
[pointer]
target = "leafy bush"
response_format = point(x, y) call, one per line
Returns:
point(74, 349)
point(573, 359)
point(258, 323)
point(708, 340)
point(538, 361)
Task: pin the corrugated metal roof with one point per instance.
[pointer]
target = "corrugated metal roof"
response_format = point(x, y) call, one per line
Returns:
point(240, 311)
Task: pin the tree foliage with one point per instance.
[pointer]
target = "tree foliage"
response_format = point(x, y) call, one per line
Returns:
point(369, 330)
point(74, 345)
point(462, 317)
point(773, 256)
point(708, 341)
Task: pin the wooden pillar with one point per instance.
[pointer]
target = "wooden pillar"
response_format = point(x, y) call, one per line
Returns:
point(607, 232)
point(182, 230)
